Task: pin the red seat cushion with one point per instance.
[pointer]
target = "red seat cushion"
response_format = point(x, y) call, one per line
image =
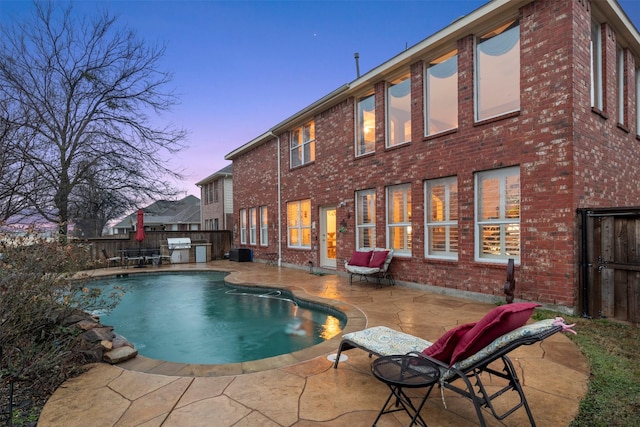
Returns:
point(378, 258)
point(493, 325)
point(360, 258)
point(442, 349)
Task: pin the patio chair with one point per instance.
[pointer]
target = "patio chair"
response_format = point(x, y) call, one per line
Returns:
point(374, 264)
point(114, 260)
point(132, 258)
point(463, 358)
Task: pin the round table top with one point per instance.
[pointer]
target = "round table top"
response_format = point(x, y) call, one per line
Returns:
point(405, 371)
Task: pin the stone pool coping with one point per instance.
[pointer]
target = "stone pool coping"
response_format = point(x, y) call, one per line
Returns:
point(355, 320)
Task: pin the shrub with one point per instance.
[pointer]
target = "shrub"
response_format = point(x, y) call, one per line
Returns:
point(40, 291)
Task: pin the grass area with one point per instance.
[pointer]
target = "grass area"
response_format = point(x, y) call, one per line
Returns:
point(612, 349)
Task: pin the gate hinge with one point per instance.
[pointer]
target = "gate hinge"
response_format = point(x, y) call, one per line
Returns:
point(602, 264)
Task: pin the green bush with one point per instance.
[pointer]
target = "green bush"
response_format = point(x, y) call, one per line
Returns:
point(40, 291)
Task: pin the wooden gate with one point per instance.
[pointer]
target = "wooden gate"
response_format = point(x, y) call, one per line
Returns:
point(611, 263)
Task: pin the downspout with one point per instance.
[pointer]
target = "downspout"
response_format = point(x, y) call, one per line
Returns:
point(585, 263)
point(279, 203)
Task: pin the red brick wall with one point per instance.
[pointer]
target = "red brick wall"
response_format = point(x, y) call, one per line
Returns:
point(569, 157)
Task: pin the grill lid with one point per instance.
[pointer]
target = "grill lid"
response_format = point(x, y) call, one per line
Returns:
point(179, 243)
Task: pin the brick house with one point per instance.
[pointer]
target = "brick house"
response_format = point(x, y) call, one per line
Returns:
point(476, 145)
point(216, 193)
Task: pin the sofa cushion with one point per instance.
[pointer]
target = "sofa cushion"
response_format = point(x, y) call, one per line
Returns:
point(378, 258)
point(442, 349)
point(360, 258)
point(494, 324)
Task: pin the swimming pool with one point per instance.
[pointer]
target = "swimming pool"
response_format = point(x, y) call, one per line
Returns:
point(197, 318)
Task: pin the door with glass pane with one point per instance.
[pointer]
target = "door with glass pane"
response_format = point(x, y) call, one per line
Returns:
point(328, 238)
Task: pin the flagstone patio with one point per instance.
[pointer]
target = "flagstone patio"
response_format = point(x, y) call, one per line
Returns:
point(303, 388)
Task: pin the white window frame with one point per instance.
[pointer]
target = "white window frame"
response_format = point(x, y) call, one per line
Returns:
point(391, 112)
point(365, 125)
point(303, 145)
point(243, 226)
point(299, 223)
point(366, 201)
point(448, 221)
point(264, 226)
point(438, 94)
point(638, 101)
point(620, 84)
point(596, 66)
point(505, 224)
point(253, 227)
point(506, 83)
point(403, 224)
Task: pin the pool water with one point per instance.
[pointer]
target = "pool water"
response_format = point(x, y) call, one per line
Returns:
point(197, 318)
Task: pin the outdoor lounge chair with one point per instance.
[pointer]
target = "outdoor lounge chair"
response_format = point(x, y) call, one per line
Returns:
point(374, 264)
point(114, 260)
point(463, 375)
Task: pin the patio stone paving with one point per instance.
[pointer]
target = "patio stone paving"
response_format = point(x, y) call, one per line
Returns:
point(302, 389)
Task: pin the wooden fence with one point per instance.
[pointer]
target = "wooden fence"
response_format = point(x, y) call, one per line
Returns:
point(220, 241)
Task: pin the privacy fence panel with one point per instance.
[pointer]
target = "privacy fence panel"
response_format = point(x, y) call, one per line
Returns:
point(611, 263)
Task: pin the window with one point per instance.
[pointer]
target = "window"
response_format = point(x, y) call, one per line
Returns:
point(498, 215)
point(366, 128)
point(596, 66)
point(303, 145)
point(216, 225)
point(620, 84)
point(498, 72)
point(399, 111)
point(208, 195)
point(243, 226)
point(441, 210)
point(216, 190)
point(264, 226)
point(366, 219)
point(299, 224)
point(252, 226)
point(441, 94)
point(399, 219)
point(637, 101)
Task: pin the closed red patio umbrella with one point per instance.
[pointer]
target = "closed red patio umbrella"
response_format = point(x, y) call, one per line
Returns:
point(140, 235)
point(140, 226)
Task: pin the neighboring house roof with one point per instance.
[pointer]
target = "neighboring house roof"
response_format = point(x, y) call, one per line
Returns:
point(164, 212)
point(468, 24)
point(222, 173)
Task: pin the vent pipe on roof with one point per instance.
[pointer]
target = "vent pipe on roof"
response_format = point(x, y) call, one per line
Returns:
point(357, 58)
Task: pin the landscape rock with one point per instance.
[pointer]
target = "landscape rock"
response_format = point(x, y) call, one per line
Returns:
point(99, 334)
point(120, 354)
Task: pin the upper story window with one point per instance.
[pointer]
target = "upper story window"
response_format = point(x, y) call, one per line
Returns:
point(497, 71)
point(441, 198)
point(264, 226)
point(252, 226)
point(208, 193)
point(303, 144)
point(620, 84)
point(366, 219)
point(216, 191)
point(498, 214)
point(243, 226)
point(399, 218)
point(596, 66)
point(637, 101)
point(441, 94)
point(299, 224)
point(366, 128)
point(399, 111)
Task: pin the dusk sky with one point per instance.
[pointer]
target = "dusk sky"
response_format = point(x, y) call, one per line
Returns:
point(241, 67)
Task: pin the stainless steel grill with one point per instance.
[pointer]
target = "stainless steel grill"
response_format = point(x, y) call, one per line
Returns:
point(179, 243)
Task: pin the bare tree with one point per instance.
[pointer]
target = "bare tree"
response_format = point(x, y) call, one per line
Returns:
point(86, 91)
